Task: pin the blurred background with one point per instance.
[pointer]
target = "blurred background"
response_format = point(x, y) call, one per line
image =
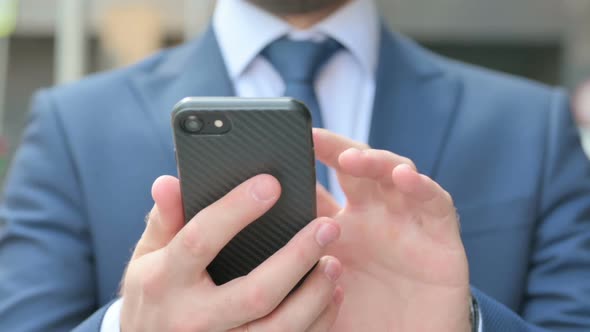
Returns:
point(46, 42)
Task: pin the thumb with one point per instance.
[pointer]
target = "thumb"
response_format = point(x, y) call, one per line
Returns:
point(165, 219)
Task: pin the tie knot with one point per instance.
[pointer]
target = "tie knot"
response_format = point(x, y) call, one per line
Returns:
point(299, 61)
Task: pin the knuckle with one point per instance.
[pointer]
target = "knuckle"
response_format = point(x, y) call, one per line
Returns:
point(195, 243)
point(152, 281)
point(300, 253)
point(258, 301)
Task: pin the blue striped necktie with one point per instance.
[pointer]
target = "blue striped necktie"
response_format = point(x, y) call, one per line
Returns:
point(298, 63)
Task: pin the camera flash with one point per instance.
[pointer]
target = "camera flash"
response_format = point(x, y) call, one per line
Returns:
point(218, 123)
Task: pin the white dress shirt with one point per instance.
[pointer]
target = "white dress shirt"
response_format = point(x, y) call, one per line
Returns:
point(345, 86)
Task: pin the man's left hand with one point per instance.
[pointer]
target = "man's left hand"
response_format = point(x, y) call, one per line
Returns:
point(405, 268)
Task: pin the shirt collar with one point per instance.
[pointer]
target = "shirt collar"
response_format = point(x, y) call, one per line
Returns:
point(244, 30)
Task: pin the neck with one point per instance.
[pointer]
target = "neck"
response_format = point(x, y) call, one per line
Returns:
point(307, 20)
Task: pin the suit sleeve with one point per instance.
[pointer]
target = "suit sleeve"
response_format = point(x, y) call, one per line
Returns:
point(557, 295)
point(47, 279)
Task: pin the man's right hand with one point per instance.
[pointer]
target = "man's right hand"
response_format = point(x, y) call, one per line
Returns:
point(167, 288)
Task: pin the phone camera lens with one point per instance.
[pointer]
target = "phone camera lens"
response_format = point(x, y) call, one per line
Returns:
point(192, 124)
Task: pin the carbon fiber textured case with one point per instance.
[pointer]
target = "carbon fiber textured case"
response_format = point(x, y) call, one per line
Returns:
point(271, 136)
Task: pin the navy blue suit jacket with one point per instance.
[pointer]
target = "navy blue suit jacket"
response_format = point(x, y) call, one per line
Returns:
point(505, 148)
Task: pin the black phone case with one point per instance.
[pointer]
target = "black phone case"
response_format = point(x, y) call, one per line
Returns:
point(271, 136)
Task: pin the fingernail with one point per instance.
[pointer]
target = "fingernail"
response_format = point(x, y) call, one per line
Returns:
point(262, 190)
point(338, 295)
point(326, 234)
point(333, 270)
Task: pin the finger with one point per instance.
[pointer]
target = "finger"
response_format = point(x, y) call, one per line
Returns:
point(301, 309)
point(326, 320)
point(440, 217)
point(261, 291)
point(326, 204)
point(328, 146)
point(165, 219)
point(373, 164)
point(197, 244)
point(425, 193)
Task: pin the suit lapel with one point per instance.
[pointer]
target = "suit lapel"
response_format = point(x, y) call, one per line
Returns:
point(193, 69)
point(415, 102)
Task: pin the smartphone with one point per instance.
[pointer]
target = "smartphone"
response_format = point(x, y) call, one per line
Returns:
point(221, 142)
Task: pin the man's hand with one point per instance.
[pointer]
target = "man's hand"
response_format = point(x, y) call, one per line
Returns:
point(405, 267)
point(167, 288)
